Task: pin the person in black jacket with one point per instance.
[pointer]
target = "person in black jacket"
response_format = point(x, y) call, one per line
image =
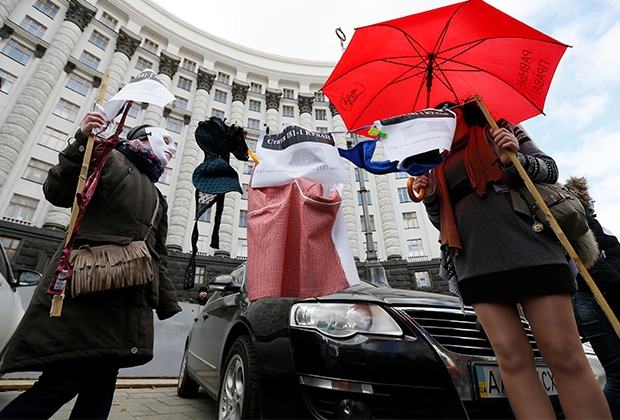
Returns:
point(203, 296)
point(591, 320)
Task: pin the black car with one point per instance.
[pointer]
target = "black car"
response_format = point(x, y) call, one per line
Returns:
point(365, 352)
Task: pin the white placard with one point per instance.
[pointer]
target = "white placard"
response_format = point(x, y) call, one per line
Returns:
point(295, 152)
point(418, 132)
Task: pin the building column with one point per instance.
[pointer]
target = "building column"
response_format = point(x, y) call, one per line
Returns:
point(6, 7)
point(168, 66)
point(348, 195)
point(190, 159)
point(126, 44)
point(27, 110)
point(304, 102)
point(387, 212)
point(272, 98)
point(239, 94)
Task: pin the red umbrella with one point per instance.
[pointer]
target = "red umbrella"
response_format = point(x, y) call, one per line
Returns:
point(446, 54)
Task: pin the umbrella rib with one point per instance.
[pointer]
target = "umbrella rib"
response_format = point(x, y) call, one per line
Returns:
point(396, 80)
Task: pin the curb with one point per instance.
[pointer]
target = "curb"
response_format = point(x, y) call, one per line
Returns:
point(121, 383)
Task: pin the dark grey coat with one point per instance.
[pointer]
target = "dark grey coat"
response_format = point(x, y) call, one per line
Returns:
point(114, 325)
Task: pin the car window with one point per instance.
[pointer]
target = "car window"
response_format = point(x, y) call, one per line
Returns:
point(4, 267)
point(239, 275)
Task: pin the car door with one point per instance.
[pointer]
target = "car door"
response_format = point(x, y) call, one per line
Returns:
point(210, 331)
point(11, 310)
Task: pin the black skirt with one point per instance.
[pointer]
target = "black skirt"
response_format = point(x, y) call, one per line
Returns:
point(512, 284)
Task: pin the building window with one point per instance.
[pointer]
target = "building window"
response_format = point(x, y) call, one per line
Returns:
point(10, 245)
point(288, 111)
point(243, 218)
point(254, 105)
point(184, 84)
point(217, 113)
point(248, 168)
point(423, 279)
point(242, 248)
point(415, 247)
point(403, 196)
point(220, 96)
point(174, 124)
point(66, 110)
point(357, 175)
point(253, 124)
point(21, 208)
point(288, 93)
point(166, 177)
point(372, 223)
point(256, 87)
point(17, 51)
point(46, 7)
point(78, 84)
point(401, 175)
point(99, 40)
point(320, 114)
point(150, 46)
point(319, 97)
point(359, 198)
point(189, 65)
point(200, 275)
point(206, 216)
point(32, 26)
point(36, 171)
point(53, 139)
point(223, 78)
point(124, 131)
point(90, 60)
point(7, 80)
point(133, 111)
point(252, 144)
point(203, 244)
point(244, 193)
point(411, 220)
point(181, 102)
point(142, 64)
point(376, 248)
point(108, 20)
point(322, 129)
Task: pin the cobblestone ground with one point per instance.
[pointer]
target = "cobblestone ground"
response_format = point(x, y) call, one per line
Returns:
point(143, 404)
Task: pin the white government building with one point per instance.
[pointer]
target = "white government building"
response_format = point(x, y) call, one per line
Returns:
point(54, 54)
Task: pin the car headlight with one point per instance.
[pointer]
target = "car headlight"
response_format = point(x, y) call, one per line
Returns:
point(342, 320)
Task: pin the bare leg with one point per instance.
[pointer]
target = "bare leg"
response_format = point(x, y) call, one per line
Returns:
point(553, 324)
point(502, 324)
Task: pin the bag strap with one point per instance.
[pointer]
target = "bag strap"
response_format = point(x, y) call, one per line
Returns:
point(148, 232)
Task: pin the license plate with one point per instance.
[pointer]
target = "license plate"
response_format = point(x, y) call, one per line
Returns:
point(490, 384)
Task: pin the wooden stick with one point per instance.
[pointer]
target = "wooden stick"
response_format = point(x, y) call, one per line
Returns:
point(554, 224)
point(57, 300)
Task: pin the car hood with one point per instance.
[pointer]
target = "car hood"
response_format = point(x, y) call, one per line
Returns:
point(394, 297)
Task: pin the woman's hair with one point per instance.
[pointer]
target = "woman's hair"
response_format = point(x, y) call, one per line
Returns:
point(473, 115)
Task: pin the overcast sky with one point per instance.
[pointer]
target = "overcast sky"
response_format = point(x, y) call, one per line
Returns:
point(582, 127)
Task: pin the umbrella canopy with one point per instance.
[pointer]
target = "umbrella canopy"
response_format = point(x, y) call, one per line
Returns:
point(446, 54)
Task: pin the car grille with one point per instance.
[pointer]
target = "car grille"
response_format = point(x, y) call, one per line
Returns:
point(458, 332)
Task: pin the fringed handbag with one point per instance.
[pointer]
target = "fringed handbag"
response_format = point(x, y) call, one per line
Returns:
point(108, 267)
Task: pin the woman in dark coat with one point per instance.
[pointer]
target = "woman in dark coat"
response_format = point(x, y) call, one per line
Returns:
point(81, 351)
point(591, 320)
point(500, 260)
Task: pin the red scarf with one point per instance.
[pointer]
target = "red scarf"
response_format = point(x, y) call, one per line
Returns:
point(481, 169)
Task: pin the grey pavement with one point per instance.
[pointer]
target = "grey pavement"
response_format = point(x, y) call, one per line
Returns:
point(161, 403)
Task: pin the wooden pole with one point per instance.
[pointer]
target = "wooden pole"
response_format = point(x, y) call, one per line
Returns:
point(57, 300)
point(554, 224)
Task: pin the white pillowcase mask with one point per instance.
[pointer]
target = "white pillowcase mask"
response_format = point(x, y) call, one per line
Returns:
point(161, 144)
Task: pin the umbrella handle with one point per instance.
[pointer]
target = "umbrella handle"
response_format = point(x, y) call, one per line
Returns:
point(415, 198)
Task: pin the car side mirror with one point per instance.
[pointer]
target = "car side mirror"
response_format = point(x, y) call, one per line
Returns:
point(28, 278)
point(224, 283)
